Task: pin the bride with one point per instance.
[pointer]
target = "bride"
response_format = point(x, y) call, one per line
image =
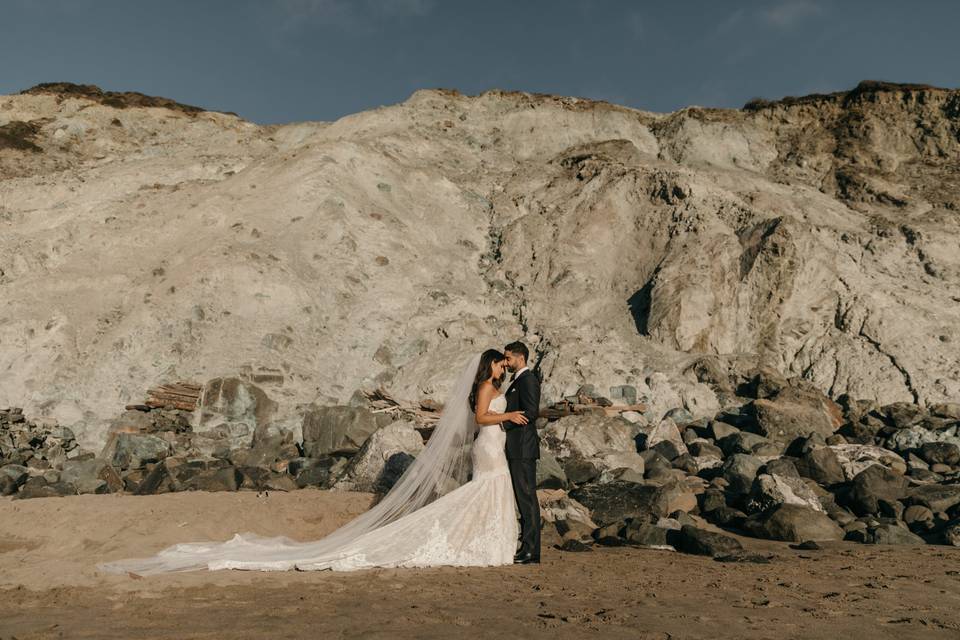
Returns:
point(454, 505)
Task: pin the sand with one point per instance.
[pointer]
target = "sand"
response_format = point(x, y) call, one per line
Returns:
point(49, 587)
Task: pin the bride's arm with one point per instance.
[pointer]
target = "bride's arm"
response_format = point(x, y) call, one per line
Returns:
point(485, 417)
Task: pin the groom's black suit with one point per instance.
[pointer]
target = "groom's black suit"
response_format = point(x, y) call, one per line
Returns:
point(523, 451)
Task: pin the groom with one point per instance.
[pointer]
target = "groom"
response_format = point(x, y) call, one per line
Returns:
point(523, 449)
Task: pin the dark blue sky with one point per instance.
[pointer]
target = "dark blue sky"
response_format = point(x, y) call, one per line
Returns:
point(285, 60)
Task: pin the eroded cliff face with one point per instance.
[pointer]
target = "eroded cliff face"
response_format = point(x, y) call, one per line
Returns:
point(144, 241)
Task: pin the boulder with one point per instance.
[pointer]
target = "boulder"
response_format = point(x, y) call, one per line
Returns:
point(720, 430)
point(739, 470)
point(233, 400)
point(940, 453)
point(893, 534)
point(913, 438)
point(550, 474)
point(16, 472)
point(949, 410)
point(793, 523)
point(317, 472)
point(8, 486)
point(273, 453)
point(783, 421)
point(134, 450)
point(771, 490)
point(571, 518)
point(339, 430)
point(854, 458)
point(87, 475)
point(704, 449)
point(382, 458)
point(586, 445)
point(218, 440)
point(781, 467)
point(226, 478)
point(742, 442)
point(821, 465)
point(938, 497)
point(763, 382)
point(875, 483)
point(902, 415)
point(646, 535)
point(706, 543)
point(616, 501)
point(38, 487)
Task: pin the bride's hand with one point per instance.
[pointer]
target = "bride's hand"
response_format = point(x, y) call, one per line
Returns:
point(517, 417)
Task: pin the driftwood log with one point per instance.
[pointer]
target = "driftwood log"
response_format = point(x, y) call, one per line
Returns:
point(180, 395)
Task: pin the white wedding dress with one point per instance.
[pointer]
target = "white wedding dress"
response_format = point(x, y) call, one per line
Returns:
point(419, 523)
point(473, 525)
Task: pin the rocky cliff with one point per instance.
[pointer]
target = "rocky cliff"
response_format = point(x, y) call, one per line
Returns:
point(143, 241)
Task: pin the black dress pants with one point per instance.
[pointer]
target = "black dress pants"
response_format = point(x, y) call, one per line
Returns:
point(523, 472)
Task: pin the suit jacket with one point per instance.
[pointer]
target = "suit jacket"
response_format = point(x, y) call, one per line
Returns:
point(523, 394)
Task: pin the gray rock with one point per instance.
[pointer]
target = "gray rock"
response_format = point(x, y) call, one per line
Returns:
point(902, 415)
point(619, 500)
point(382, 458)
point(16, 472)
point(646, 534)
point(720, 430)
point(781, 467)
point(741, 442)
point(872, 484)
point(86, 475)
point(794, 523)
point(821, 465)
point(892, 534)
point(854, 458)
point(706, 543)
point(37, 487)
point(587, 445)
point(951, 533)
point(940, 453)
point(338, 429)
point(550, 474)
point(918, 514)
point(785, 421)
point(319, 472)
point(133, 450)
point(938, 497)
point(233, 400)
point(912, 438)
point(771, 490)
point(704, 449)
point(679, 416)
point(949, 410)
point(739, 470)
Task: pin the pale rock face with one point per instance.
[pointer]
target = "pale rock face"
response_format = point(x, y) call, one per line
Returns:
point(606, 444)
point(854, 458)
point(666, 430)
point(770, 489)
point(143, 245)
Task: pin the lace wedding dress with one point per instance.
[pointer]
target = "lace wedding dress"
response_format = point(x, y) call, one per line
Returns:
point(421, 522)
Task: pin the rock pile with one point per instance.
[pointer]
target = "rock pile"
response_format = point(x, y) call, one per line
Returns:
point(780, 461)
point(156, 450)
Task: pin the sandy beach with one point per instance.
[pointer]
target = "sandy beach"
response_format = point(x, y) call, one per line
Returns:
point(51, 588)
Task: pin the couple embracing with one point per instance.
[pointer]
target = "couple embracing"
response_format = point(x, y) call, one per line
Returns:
point(455, 505)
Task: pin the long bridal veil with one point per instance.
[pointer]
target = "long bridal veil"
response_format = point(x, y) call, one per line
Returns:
point(443, 465)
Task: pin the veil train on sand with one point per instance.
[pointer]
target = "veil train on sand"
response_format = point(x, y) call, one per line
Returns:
point(443, 465)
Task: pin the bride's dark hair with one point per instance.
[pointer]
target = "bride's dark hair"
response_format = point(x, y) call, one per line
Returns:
point(484, 371)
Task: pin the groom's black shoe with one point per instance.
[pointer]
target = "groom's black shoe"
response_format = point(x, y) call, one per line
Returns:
point(526, 558)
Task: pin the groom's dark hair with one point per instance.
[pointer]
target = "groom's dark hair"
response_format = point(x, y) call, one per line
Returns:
point(520, 348)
